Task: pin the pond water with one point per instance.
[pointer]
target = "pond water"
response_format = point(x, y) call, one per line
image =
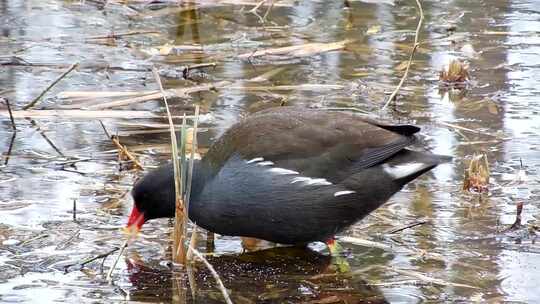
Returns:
point(51, 163)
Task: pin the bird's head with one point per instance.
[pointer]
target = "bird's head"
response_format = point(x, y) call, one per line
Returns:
point(153, 197)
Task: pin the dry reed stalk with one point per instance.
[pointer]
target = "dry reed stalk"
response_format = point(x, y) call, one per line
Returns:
point(300, 87)
point(303, 50)
point(82, 114)
point(180, 217)
point(181, 93)
point(178, 252)
point(415, 46)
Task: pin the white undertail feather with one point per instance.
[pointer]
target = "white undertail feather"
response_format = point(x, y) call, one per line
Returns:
point(345, 192)
point(403, 170)
point(265, 163)
point(311, 181)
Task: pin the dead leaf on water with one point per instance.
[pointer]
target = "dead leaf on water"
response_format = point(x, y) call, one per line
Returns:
point(374, 29)
point(360, 74)
point(403, 65)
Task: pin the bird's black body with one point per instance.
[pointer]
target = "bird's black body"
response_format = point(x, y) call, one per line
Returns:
point(291, 175)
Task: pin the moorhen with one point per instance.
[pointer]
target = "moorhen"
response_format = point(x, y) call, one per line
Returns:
point(290, 175)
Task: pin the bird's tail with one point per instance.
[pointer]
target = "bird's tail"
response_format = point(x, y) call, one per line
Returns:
point(407, 165)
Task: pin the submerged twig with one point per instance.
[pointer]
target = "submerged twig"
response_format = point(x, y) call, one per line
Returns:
point(74, 210)
point(47, 139)
point(33, 102)
point(6, 101)
point(415, 253)
point(10, 148)
point(425, 278)
point(396, 230)
point(89, 260)
point(456, 127)
point(415, 46)
point(214, 274)
point(119, 35)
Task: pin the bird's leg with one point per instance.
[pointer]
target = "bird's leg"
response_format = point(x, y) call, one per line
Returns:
point(340, 262)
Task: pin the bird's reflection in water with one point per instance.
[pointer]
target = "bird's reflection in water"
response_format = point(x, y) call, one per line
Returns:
point(277, 275)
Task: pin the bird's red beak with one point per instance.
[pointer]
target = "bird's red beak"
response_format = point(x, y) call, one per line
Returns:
point(136, 219)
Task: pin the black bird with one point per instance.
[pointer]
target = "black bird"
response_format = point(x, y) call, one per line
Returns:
point(290, 175)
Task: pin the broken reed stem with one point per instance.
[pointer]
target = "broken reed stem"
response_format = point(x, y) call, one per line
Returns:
point(214, 274)
point(13, 126)
point(180, 224)
point(123, 151)
point(124, 246)
point(178, 252)
point(193, 239)
point(415, 46)
point(192, 157)
point(33, 102)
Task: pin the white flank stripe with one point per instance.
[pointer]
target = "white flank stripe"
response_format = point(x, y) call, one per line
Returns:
point(311, 181)
point(344, 192)
point(265, 163)
point(300, 179)
point(257, 159)
point(404, 170)
point(282, 171)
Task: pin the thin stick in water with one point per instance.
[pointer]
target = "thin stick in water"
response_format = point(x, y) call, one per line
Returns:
point(10, 148)
point(74, 210)
point(214, 274)
point(89, 260)
point(33, 102)
point(124, 246)
point(415, 46)
point(6, 101)
point(396, 230)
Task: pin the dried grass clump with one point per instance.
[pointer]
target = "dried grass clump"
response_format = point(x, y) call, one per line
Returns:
point(457, 72)
point(477, 175)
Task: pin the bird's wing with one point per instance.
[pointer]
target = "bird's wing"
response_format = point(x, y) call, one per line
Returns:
point(315, 142)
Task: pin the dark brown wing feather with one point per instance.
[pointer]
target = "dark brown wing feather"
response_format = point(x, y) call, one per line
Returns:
point(315, 142)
